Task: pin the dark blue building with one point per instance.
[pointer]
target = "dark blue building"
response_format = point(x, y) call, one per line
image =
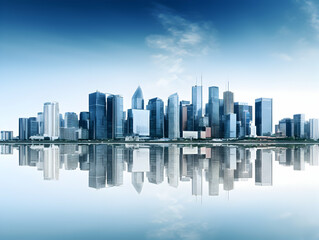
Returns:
point(263, 116)
point(156, 108)
point(97, 109)
point(84, 121)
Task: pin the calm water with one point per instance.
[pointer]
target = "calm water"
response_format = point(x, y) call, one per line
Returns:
point(159, 192)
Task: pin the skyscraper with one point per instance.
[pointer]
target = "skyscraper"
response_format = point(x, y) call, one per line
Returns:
point(197, 102)
point(183, 115)
point(40, 123)
point(173, 116)
point(244, 115)
point(51, 119)
point(115, 116)
point(71, 120)
point(137, 99)
point(138, 122)
point(97, 109)
point(156, 108)
point(314, 129)
point(213, 111)
point(33, 129)
point(230, 125)
point(228, 102)
point(299, 125)
point(263, 116)
point(84, 121)
point(23, 128)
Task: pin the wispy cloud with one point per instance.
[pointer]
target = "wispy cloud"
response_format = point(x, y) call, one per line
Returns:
point(283, 56)
point(312, 10)
point(183, 39)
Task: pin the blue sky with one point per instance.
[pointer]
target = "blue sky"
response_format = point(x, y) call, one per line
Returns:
point(63, 50)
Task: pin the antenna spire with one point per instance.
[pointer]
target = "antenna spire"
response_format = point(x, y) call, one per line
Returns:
point(228, 86)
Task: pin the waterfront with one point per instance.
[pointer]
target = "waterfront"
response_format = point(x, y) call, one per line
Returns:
point(159, 191)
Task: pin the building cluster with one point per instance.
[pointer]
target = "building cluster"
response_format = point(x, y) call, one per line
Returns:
point(106, 118)
point(212, 168)
point(298, 127)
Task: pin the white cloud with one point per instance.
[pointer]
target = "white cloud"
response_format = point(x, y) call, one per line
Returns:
point(313, 12)
point(283, 56)
point(183, 40)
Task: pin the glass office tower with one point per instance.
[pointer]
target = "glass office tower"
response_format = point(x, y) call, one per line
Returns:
point(71, 120)
point(299, 125)
point(23, 128)
point(138, 121)
point(156, 108)
point(84, 121)
point(51, 119)
point(263, 116)
point(173, 116)
point(197, 101)
point(40, 123)
point(115, 119)
point(33, 129)
point(228, 102)
point(97, 109)
point(137, 99)
point(230, 125)
point(183, 116)
point(244, 115)
point(213, 111)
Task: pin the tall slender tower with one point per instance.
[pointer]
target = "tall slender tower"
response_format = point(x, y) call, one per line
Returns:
point(197, 102)
point(137, 99)
point(173, 116)
point(51, 120)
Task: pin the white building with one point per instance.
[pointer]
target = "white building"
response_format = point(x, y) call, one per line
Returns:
point(51, 120)
point(314, 129)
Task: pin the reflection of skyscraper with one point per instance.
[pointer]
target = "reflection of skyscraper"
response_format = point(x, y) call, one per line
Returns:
point(156, 173)
point(263, 167)
point(197, 181)
point(299, 159)
point(314, 155)
point(97, 109)
point(173, 165)
point(138, 181)
point(228, 179)
point(97, 172)
point(115, 165)
point(51, 162)
point(213, 178)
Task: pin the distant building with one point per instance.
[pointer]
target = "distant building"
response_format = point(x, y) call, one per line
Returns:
point(33, 127)
point(263, 116)
point(286, 127)
point(6, 135)
point(228, 102)
point(97, 109)
point(84, 121)
point(197, 102)
point(213, 111)
point(68, 133)
point(51, 120)
point(244, 114)
point(115, 119)
point(71, 120)
point(40, 123)
point(173, 116)
point(183, 116)
point(299, 125)
point(137, 99)
point(138, 122)
point(156, 108)
point(23, 128)
point(230, 125)
point(314, 128)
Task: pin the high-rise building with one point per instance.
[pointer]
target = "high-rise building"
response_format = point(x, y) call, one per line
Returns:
point(244, 115)
point(71, 120)
point(183, 116)
point(173, 116)
point(299, 125)
point(23, 128)
point(40, 123)
point(230, 125)
point(51, 119)
point(115, 116)
point(97, 109)
point(84, 121)
point(137, 99)
point(33, 125)
point(228, 102)
point(156, 108)
point(138, 121)
point(213, 111)
point(286, 127)
point(6, 135)
point(263, 116)
point(314, 129)
point(197, 102)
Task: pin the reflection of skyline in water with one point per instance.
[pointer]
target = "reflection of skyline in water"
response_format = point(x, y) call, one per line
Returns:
point(219, 166)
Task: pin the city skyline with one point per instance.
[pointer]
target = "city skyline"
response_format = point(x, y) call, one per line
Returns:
point(267, 52)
